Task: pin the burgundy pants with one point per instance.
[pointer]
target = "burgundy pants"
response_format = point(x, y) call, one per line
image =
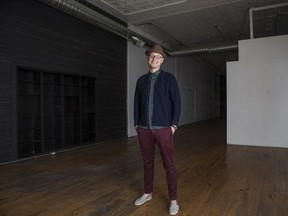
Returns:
point(164, 138)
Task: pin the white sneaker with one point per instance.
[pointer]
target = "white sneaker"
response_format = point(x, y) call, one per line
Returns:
point(141, 200)
point(174, 208)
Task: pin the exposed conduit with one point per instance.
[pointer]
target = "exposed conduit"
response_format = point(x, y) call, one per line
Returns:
point(259, 9)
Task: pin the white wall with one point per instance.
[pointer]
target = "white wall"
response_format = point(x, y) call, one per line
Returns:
point(257, 93)
point(199, 85)
point(198, 82)
point(137, 66)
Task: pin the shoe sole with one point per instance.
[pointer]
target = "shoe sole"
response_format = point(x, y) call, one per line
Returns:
point(174, 213)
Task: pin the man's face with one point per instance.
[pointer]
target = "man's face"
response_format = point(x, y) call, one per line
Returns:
point(155, 60)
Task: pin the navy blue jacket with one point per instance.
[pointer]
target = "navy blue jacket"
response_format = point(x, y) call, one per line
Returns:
point(166, 101)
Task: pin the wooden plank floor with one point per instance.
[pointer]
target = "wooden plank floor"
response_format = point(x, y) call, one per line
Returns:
point(104, 179)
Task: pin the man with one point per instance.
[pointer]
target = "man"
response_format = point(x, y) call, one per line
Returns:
point(156, 117)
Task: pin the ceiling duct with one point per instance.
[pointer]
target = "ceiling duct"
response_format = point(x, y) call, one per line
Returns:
point(210, 50)
point(92, 17)
point(88, 15)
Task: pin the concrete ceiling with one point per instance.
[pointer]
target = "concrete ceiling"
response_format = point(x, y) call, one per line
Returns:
point(180, 25)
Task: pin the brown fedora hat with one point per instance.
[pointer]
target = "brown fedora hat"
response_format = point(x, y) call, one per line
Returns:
point(156, 49)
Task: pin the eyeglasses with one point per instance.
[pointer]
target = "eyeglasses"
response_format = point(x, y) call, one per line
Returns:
point(157, 57)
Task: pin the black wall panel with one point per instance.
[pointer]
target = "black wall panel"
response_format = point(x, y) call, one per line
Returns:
point(37, 37)
point(7, 150)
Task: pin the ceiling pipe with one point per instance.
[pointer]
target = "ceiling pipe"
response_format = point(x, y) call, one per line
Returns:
point(85, 14)
point(259, 9)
